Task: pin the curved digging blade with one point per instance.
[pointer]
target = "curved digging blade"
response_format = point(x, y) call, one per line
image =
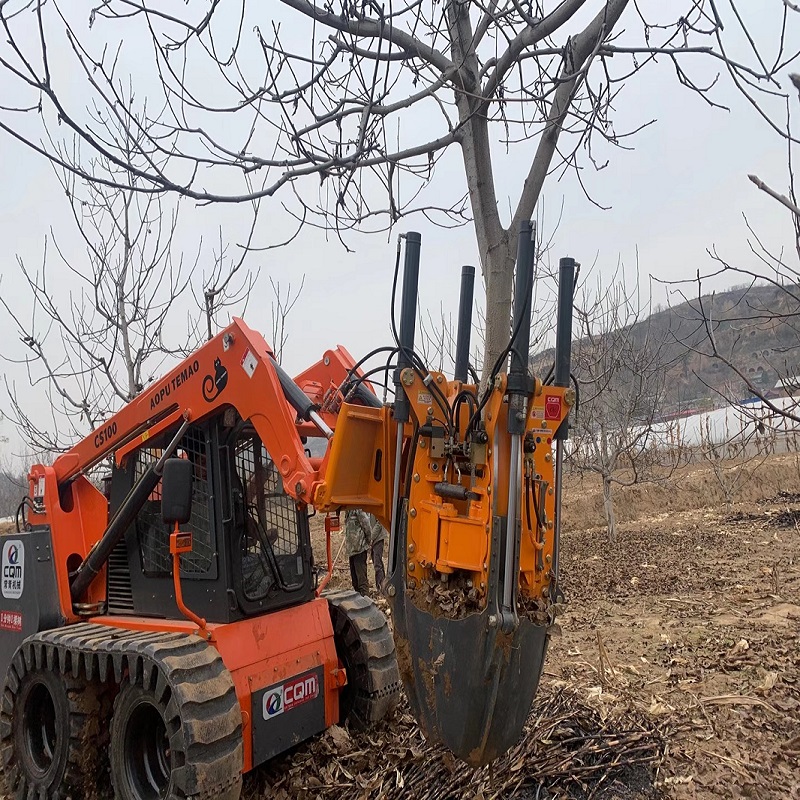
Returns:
point(470, 686)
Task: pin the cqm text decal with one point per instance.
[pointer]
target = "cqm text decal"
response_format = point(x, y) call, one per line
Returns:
point(13, 570)
point(290, 695)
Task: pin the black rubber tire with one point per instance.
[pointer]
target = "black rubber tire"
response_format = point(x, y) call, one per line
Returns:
point(365, 647)
point(50, 735)
point(159, 746)
point(186, 676)
point(141, 746)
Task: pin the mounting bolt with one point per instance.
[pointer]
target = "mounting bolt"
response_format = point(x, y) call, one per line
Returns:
point(411, 566)
point(411, 548)
point(326, 361)
point(413, 512)
point(391, 591)
point(412, 583)
point(493, 620)
point(407, 377)
point(416, 477)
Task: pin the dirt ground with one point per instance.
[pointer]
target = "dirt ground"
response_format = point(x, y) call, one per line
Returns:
point(688, 625)
point(694, 618)
point(676, 673)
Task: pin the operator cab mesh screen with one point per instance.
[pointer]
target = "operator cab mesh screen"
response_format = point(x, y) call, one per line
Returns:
point(153, 533)
point(271, 555)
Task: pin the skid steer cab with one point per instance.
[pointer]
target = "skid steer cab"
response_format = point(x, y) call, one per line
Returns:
point(167, 631)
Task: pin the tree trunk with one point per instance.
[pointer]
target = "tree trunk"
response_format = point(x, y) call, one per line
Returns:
point(608, 509)
point(498, 272)
point(496, 245)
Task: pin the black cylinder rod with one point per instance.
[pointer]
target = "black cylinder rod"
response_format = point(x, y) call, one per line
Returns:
point(126, 514)
point(91, 566)
point(297, 398)
point(518, 373)
point(566, 281)
point(566, 290)
point(464, 323)
point(408, 320)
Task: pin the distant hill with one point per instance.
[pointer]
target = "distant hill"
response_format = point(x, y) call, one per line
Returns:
point(755, 327)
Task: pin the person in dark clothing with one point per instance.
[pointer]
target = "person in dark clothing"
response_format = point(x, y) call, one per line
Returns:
point(357, 533)
point(364, 537)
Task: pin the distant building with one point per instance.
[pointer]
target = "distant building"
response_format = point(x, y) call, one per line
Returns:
point(788, 385)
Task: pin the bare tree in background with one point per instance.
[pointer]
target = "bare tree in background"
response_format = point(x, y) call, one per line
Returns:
point(764, 311)
point(621, 365)
point(96, 342)
point(365, 99)
point(283, 301)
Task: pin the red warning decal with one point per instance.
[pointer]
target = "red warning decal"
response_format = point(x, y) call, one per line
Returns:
point(552, 406)
point(10, 621)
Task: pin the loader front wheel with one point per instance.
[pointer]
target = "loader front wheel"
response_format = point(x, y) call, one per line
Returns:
point(141, 753)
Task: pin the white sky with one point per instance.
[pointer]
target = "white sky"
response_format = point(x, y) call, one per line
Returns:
point(683, 189)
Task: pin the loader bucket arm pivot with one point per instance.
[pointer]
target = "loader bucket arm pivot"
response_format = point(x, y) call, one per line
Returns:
point(473, 538)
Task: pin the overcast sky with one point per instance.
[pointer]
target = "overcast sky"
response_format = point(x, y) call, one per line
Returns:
point(683, 189)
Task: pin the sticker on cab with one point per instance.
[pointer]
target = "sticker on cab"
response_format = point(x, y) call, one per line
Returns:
point(289, 695)
point(12, 572)
point(249, 363)
point(10, 621)
point(552, 406)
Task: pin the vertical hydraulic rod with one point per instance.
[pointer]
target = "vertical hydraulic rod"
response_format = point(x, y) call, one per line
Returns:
point(402, 407)
point(519, 387)
point(566, 290)
point(464, 323)
point(408, 322)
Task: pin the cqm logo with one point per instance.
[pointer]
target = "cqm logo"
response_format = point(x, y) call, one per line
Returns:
point(273, 704)
point(12, 570)
point(290, 695)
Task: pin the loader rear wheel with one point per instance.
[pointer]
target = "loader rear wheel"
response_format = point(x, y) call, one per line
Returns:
point(365, 646)
point(49, 733)
point(41, 730)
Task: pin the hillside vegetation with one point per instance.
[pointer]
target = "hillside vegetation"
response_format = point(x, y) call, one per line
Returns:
point(757, 328)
